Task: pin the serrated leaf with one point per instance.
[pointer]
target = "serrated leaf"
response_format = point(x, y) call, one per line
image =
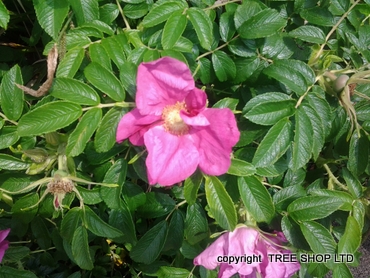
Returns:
point(196, 225)
point(293, 233)
point(294, 74)
point(220, 203)
point(9, 162)
point(8, 136)
point(319, 239)
point(269, 113)
point(358, 153)
point(71, 62)
point(227, 102)
point(202, 25)
point(173, 29)
point(191, 187)
point(151, 244)
point(263, 24)
point(341, 271)
point(51, 14)
point(9, 272)
point(175, 272)
point(121, 219)
point(75, 91)
point(241, 168)
point(69, 224)
point(79, 137)
point(309, 34)
point(105, 81)
point(114, 50)
point(11, 96)
point(80, 249)
point(85, 10)
point(99, 55)
point(353, 184)
point(97, 226)
point(313, 207)
point(161, 12)
point(274, 144)
point(227, 27)
point(223, 65)
point(321, 106)
point(285, 196)
point(346, 198)
point(136, 11)
point(265, 98)
point(256, 198)
point(351, 239)
point(176, 230)
point(105, 136)
point(48, 117)
point(302, 145)
point(319, 16)
point(4, 16)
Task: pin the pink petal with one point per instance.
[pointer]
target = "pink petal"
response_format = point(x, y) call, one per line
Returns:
point(133, 125)
point(196, 101)
point(4, 234)
point(198, 120)
point(160, 83)
point(171, 158)
point(4, 245)
point(208, 258)
point(216, 140)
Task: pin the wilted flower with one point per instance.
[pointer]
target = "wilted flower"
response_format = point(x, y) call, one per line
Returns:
point(246, 251)
point(172, 121)
point(4, 244)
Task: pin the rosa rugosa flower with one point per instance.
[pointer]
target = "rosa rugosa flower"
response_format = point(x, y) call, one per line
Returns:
point(246, 251)
point(172, 121)
point(4, 244)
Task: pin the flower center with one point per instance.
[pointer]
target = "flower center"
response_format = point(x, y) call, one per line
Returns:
point(172, 120)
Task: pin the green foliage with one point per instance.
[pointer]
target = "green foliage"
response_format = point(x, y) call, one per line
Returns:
point(301, 164)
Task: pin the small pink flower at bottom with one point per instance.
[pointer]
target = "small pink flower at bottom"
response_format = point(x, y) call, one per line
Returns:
point(4, 244)
point(172, 121)
point(245, 242)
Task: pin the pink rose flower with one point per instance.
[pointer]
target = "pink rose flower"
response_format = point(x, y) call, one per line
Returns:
point(4, 244)
point(172, 121)
point(246, 251)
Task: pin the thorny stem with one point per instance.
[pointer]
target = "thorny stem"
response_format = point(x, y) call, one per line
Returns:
point(123, 15)
point(220, 4)
point(334, 178)
point(6, 119)
point(105, 105)
point(332, 31)
point(218, 48)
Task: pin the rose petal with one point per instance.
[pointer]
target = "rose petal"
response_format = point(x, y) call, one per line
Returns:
point(4, 234)
point(133, 125)
point(216, 140)
point(4, 245)
point(196, 101)
point(160, 83)
point(208, 258)
point(171, 158)
point(198, 120)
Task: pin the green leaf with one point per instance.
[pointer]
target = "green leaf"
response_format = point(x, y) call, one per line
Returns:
point(308, 34)
point(176, 230)
point(263, 24)
point(41, 232)
point(75, 91)
point(353, 184)
point(9, 272)
point(293, 233)
point(80, 249)
point(227, 102)
point(99, 55)
point(9, 162)
point(220, 204)
point(8, 136)
point(321, 106)
point(196, 225)
point(85, 10)
point(97, 226)
point(256, 198)
point(285, 196)
point(223, 65)
point(269, 113)
point(302, 145)
point(70, 222)
point(313, 207)
point(51, 14)
point(114, 48)
point(79, 137)
point(105, 81)
point(318, 16)
point(16, 254)
point(351, 239)
point(167, 271)
point(127, 75)
point(191, 187)
point(202, 25)
point(161, 12)
point(227, 27)
point(241, 168)
point(294, 74)
point(11, 96)
point(48, 117)
point(346, 198)
point(90, 196)
point(4, 16)
point(156, 205)
point(136, 11)
point(20, 211)
point(71, 62)
point(319, 239)
point(358, 212)
point(121, 219)
point(151, 244)
point(358, 154)
point(105, 136)
point(265, 98)
point(274, 144)
point(341, 271)
point(173, 29)
point(115, 174)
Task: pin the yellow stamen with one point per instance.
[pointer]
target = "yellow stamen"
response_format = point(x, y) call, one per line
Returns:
point(172, 120)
